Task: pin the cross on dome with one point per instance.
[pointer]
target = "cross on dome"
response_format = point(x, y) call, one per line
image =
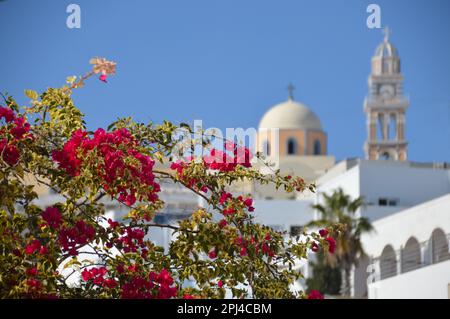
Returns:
point(291, 89)
point(387, 32)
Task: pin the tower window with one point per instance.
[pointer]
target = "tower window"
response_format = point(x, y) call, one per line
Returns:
point(380, 130)
point(382, 201)
point(385, 156)
point(266, 148)
point(291, 146)
point(386, 66)
point(317, 148)
point(392, 127)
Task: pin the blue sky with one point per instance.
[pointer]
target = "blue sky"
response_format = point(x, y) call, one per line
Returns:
point(227, 61)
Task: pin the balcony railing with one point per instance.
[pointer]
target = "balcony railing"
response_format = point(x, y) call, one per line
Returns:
point(371, 101)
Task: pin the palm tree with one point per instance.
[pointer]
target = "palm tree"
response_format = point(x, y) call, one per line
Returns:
point(340, 208)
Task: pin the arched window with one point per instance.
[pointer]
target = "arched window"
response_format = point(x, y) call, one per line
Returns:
point(439, 246)
point(266, 148)
point(411, 255)
point(291, 146)
point(385, 156)
point(317, 147)
point(386, 65)
point(380, 130)
point(392, 134)
point(388, 155)
point(388, 263)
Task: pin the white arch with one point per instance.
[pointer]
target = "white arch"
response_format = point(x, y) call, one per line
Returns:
point(439, 246)
point(411, 257)
point(388, 262)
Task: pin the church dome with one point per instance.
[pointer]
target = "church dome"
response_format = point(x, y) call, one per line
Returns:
point(386, 48)
point(290, 115)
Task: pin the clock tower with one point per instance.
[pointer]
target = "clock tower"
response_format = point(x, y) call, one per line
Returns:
point(385, 106)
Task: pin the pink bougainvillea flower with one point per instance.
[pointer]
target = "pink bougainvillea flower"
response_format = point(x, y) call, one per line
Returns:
point(32, 272)
point(34, 283)
point(248, 202)
point(314, 247)
point(86, 275)
point(32, 247)
point(224, 197)
point(314, 294)
point(114, 164)
point(110, 283)
point(212, 253)
point(43, 250)
point(7, 114)
point(223, 223)
point(331, 244)
point(10, 153)
point(53, 217)
point(103, 78)
point(323, 232)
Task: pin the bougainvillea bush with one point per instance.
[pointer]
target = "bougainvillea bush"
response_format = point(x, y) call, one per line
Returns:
point(47, 143)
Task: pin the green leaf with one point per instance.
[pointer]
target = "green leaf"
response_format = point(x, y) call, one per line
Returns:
point(31, 94)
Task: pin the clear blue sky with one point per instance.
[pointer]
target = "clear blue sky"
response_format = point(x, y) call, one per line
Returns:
point(227, 61)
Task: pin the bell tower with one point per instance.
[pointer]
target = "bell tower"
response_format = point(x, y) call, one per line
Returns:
point(385, 106)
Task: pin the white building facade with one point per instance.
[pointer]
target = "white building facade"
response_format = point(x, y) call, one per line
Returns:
point(409, 206)
point(410, 252)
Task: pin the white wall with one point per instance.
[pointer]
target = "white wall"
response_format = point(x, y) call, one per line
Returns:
point(419, 221)
point(349, 181)
point(411, 185)
point(375, 212)
point(283, 213)
point(406, 182)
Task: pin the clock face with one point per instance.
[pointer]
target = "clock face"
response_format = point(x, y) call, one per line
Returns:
point(387, 91)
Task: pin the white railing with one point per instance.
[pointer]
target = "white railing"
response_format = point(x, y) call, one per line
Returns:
point(413, 256)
